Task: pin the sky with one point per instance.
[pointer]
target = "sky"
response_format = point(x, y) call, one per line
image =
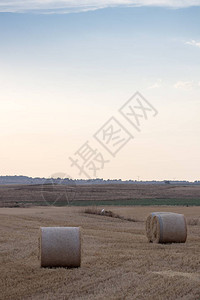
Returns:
point(67, 67)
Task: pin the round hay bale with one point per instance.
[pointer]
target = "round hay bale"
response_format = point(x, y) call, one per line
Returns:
point(60, 247)
point(166, 227)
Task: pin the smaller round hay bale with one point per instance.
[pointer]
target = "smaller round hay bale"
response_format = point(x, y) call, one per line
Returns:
point(166, 227)
point(60, 247)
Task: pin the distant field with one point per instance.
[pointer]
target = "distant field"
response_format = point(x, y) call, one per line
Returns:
point(123, 202)
point(117, 260)
point(87, 195)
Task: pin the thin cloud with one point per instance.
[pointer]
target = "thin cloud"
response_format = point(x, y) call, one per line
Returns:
point(156, 85)
point(68, 6)
point(185, 85)
point(193, 43)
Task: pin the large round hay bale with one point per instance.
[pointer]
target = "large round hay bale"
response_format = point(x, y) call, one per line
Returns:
point(166, 227)
point(60, 247)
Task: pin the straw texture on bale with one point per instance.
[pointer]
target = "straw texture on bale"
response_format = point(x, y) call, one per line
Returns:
point(60, 247)
point(166, 227)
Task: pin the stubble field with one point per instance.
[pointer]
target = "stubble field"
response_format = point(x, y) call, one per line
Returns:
point(104, 194)
point(117, 260)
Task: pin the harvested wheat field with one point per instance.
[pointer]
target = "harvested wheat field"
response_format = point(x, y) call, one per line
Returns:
point(104, 194)
point(117, 260)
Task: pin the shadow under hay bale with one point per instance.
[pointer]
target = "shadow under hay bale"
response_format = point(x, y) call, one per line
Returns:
point(60, 247)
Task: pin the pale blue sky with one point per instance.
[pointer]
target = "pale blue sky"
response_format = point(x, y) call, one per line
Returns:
point(63, 75)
